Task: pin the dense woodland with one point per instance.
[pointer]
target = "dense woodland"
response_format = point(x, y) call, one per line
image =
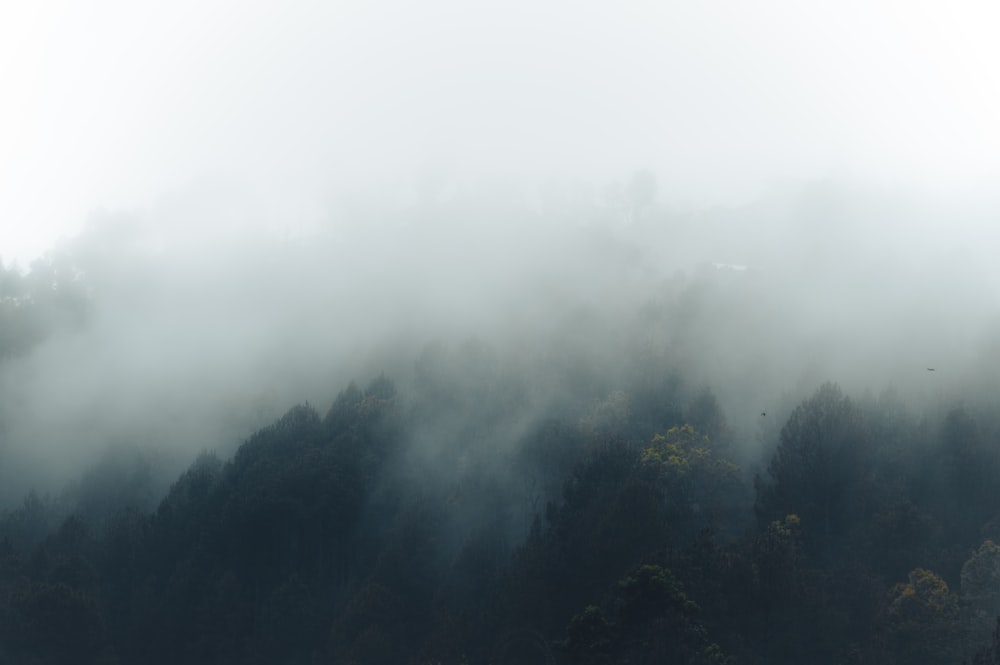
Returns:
point(570, 508)
point(867, 539)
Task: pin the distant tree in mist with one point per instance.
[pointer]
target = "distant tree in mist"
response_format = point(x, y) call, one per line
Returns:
point(705, 414)
point(50, 297)
point(28, 524)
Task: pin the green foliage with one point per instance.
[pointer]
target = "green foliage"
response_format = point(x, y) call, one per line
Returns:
point(54, 623)
point(28, 524)
point(334, 539)
point(920, 623)
point(820, 471)
point(962, 475)
point(981, 579)
point(924, 598)
point(652, 589)
point(778, 559)
point(653, 621)
point(701, 489)
point(980, 592)
point(588, 632)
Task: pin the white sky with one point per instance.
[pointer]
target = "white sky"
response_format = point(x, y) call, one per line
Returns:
point(113, 104)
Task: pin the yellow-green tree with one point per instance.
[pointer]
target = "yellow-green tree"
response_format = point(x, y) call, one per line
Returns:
point(920, 622)
point(701, 489)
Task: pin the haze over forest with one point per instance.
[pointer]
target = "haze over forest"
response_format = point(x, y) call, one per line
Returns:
point(529, 333)
point(174, 333)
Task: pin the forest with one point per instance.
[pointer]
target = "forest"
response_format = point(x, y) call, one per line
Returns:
point(405, 447)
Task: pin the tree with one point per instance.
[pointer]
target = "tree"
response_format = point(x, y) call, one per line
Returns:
point(705, 414)
point(980, 591)
point(819, 470)
point(49, 298)
point(700, 488)
point(968, 464)
point(55, 623)
point(920, 622)
point(653, 621)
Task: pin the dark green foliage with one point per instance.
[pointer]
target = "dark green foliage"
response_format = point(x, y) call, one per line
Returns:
point(700, 488)
point(399, 532)
point(589, 633)
point(27, 525)
point(920, 621)
point(651, 590)
point(961, 475)
point(609, 517)
point(821, 471)
point(990, 655)
point(653, 621)
point(246, 559)
point(53, 623)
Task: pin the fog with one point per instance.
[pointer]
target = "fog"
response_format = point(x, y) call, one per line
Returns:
point(263, 205)
point(198, 332)
point(121, 103)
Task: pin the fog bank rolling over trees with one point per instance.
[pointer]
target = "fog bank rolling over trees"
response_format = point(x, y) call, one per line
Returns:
point(488, 427)
point(190, 336)
point(490, 333)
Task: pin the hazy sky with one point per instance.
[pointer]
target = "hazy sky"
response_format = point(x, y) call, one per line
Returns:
point(116, 104)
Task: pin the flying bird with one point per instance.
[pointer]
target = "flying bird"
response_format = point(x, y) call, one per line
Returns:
point(930, 369)
point(763, 413)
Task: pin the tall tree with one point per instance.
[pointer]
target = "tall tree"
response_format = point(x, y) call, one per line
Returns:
point(819, 470)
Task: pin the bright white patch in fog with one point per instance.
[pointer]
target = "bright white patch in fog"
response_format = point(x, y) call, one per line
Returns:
point(115, 103)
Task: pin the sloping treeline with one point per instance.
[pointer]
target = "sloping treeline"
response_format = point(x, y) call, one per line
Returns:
point(867, 537)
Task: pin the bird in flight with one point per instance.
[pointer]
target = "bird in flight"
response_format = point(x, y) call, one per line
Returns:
point(930, 369)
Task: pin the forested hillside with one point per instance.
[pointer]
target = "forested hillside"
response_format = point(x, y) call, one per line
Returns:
point(331, 537)
point(570, 442)
point(531, 332)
